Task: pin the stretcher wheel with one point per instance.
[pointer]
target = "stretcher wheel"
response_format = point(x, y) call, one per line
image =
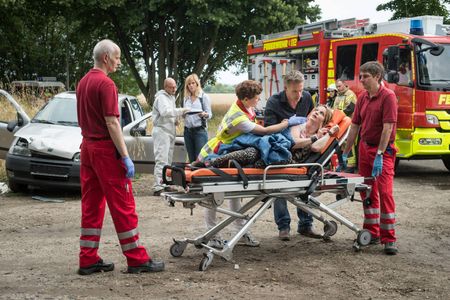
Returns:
point(356, 246)
point(340, 197)
point(364, 237)
point(330, 228)
point(206, 261)
point(177, 249)
point(367, 201)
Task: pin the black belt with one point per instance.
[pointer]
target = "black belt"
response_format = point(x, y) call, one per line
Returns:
point(194, 128)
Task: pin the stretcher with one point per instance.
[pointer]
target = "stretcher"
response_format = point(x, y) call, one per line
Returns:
point(300, 184)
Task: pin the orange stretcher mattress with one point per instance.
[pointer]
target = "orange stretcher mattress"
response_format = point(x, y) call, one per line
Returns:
point(209, 174)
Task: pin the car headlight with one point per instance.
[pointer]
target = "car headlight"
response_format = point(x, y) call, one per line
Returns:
point(76, 157)
point(21, 148)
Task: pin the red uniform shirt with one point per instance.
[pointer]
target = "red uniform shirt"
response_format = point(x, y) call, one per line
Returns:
point(96, 98)
point(371, 113)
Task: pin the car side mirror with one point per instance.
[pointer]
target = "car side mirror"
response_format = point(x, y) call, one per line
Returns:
point(11, 125)
point(393, 77)
point(393, 55)
point(137, 131)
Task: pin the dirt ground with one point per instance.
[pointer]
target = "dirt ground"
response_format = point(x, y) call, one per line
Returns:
point(39, 248)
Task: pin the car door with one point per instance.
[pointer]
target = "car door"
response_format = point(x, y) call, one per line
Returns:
point(139, 142)
point(12, 118)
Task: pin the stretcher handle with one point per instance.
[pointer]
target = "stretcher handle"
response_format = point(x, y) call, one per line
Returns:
point(177, 173)
point(164, 178)
point(290, 166)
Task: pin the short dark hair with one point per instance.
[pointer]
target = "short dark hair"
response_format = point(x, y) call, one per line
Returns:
point(248, 89)
point(374, 68)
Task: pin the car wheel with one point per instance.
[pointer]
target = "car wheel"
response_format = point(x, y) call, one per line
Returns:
point(446, 161)
point(17, 187)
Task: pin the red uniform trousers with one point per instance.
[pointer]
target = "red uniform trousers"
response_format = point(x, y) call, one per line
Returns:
point(382, 193)
point(103, 181)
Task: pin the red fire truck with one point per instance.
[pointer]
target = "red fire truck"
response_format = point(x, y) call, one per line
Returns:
point(414, 51)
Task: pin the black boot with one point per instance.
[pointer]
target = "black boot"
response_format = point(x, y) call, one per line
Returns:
point(100, 266)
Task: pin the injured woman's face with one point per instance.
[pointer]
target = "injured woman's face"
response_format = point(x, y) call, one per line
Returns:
point(318, 115)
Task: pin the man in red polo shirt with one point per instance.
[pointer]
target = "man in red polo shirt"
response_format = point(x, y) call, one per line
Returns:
point(375, 117)
point(106, 169)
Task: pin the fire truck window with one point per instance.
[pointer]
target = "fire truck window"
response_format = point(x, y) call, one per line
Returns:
point(369, 52)
point(345, 62)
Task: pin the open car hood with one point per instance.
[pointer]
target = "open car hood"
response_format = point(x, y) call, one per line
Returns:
point(57, 140)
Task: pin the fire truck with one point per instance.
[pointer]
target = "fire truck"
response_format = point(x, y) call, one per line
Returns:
point(414, 51)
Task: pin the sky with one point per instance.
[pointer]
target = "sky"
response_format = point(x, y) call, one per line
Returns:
point(331, 9)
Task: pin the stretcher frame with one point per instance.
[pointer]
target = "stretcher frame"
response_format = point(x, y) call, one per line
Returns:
point(302, 193)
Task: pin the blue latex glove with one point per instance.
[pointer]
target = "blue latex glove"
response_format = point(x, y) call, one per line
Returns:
point(343, 164)
point(295, 120)
point(129, 165)
point(377, 165)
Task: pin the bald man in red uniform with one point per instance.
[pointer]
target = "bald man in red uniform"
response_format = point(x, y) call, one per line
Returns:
point(106, 169)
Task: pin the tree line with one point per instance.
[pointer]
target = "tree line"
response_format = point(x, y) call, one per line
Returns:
point(158, 38)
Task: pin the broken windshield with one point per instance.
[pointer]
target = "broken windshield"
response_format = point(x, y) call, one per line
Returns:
point(62, 111)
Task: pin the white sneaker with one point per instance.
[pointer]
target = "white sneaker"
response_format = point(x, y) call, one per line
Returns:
point(217, 243)
point(249, 240)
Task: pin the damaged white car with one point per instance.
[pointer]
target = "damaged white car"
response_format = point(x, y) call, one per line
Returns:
point(45, 151)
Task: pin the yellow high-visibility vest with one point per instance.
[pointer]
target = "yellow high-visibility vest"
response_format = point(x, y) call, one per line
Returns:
point(232, 118)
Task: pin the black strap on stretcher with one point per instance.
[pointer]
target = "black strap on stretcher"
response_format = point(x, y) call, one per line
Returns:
point(241, 175)
point(179, 177)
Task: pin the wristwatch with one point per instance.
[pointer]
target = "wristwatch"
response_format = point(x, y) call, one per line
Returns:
point(379, 152)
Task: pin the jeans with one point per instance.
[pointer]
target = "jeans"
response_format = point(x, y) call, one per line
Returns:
point(194, 139)
point(283, 219)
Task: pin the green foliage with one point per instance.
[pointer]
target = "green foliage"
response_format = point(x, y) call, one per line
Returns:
point(125, 81)
point(219, 88)
point(403, 9)
point(161, 38)
point(158, 38)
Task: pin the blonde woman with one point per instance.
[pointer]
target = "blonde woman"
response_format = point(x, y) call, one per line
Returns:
point(195, 122)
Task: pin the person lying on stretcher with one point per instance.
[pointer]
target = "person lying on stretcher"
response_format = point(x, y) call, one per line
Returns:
point(292, 145)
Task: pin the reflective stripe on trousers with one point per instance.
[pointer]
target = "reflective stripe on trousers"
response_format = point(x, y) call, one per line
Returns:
point(103, 181)
point(129, 239)
point(90, 237)
point(382, 200)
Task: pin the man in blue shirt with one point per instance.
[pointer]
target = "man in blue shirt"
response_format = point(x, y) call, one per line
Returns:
point(292, 101)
